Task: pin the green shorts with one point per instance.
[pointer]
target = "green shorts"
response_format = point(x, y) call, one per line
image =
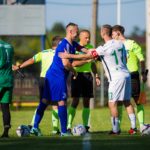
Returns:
point(6, 94)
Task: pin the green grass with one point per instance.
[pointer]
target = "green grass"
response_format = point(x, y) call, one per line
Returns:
point(98, 139)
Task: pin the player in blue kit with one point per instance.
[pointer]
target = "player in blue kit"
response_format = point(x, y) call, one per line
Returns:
point(55, 81)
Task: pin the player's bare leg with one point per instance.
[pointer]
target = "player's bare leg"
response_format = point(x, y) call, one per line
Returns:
point(131, 114)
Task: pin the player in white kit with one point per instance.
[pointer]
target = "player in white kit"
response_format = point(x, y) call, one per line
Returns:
point(113, 56)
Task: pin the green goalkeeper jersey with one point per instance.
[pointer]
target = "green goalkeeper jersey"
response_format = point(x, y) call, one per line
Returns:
point(86, 68)
point(46, 58)
point(134, 55)
point(6, 60)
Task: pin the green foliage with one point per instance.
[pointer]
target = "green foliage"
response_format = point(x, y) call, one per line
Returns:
point(137, 32)
point(58, 27)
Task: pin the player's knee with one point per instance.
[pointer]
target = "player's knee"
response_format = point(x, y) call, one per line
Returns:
point(126, 103)
point(61, 103)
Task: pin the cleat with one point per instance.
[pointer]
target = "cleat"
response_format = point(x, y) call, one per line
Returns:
point(66, 134)
point(4, 135)
point(132, 131)
point(87, 129)
point(69, 130)
point(36, 131)
point(114, 133)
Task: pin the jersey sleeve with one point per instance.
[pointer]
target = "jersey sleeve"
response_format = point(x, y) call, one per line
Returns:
point(138, 51)
point(100, 50)
point(37, 57)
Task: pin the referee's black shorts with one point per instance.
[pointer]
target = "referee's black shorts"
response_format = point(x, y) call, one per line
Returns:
point(82, 86)
point(135, 84)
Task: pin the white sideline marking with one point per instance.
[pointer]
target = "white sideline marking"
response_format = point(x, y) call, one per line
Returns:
point(86, 144)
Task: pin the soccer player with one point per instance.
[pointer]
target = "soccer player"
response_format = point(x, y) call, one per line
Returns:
point(46, 58)
point(6, 84)
point(83, 85)
point(55, 89)
point(134, 57)
point(113, 57)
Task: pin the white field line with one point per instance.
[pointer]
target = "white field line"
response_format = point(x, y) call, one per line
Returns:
point(86, 142)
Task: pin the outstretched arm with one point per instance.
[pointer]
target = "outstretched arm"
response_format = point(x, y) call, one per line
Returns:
point(73, 56)
point(27, 63)
point(24, 64)
point(77, 63)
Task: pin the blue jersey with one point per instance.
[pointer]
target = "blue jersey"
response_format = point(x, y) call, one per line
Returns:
point(63, 46)
point(55, 84)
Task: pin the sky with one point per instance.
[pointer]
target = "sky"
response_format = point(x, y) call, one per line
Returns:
point(133, 13)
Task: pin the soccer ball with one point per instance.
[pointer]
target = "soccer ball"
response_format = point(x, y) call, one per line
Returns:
point(78, 130)
point(145, 129)
point(23, 131)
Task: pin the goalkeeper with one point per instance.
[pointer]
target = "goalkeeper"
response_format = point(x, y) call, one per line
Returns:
point(6, 84)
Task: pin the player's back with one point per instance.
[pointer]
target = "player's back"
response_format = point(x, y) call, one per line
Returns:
point(114, 60)
point(47, 59)
point(6, 75)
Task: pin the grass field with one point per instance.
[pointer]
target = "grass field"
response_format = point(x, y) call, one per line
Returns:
point(98, 139)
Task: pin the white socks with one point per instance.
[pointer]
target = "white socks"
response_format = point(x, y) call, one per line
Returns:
point(132, 120)
point(115, 124)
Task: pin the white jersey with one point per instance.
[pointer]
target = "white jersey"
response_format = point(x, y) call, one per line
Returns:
point(113, 56)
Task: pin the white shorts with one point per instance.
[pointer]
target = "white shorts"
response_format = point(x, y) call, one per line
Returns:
point(119, 90)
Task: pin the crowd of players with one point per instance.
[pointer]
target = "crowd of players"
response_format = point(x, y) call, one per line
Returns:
point(120, 58)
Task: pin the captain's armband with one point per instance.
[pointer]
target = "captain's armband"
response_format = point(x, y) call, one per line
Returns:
point(94, 54)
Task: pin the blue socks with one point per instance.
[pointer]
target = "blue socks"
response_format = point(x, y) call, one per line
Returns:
point(39, 114)
point(62, 113)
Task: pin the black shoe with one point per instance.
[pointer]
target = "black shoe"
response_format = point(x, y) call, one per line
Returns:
point(69, 130)
point(5, 135)
point(87, 129)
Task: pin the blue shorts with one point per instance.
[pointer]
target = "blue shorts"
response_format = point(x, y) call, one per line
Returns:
point(55, 88)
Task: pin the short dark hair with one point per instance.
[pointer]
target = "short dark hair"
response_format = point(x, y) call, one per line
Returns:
point(118, 28)
point(84, 30)
point(56, 40)
point(108, 29)
point(71, 24)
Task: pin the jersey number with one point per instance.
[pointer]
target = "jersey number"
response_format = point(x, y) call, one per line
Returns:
point(115, 55)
